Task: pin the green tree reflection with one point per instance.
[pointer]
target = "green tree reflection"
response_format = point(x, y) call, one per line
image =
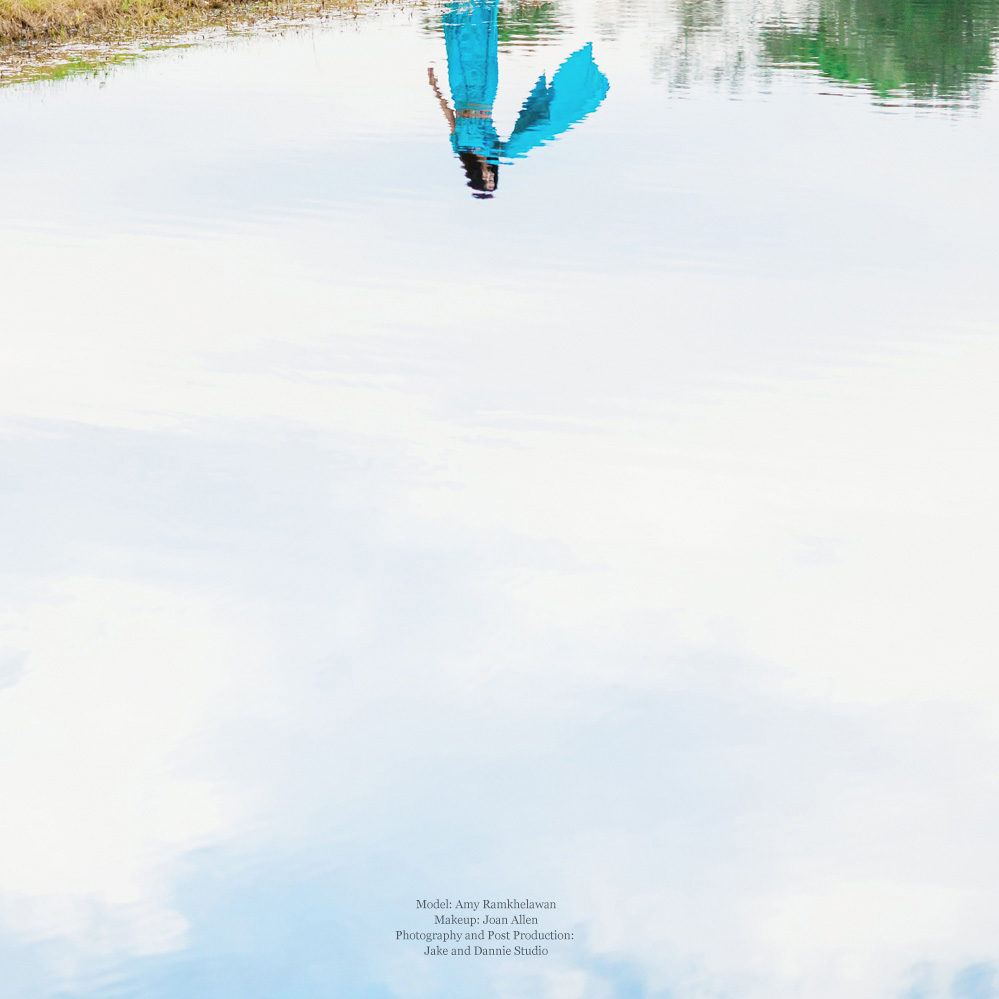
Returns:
point(928, 51)
point(521, 23)
point(529, 21)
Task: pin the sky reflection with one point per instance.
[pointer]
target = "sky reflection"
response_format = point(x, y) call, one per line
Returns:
point(630, 542)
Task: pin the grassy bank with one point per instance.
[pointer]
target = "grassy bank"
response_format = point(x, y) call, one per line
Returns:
point(50, 40)
point(23, 20)
point(28, 21)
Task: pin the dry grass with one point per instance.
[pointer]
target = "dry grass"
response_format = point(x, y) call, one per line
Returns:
point(50, 20)
point(54, 39)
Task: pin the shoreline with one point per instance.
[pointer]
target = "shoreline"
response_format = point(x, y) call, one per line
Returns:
point(49, 39)
point(26, 21)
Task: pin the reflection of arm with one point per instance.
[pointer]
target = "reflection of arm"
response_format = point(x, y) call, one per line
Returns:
point(448, 113)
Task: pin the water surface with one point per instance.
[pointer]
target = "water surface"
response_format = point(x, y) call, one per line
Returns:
point(626, 537)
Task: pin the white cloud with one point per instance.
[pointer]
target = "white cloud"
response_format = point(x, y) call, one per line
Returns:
point(98, 739)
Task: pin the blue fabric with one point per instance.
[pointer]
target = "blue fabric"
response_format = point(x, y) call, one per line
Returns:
point(471, 39)
point(476, 135)
point(577, 89)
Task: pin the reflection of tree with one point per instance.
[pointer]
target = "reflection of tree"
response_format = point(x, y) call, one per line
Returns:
point(925, 50)
point(695, 42)
point(529, 21)
point(680, 59)
point(522, 22)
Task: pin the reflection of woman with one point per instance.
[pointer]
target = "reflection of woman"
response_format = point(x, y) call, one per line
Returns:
point(471, 37)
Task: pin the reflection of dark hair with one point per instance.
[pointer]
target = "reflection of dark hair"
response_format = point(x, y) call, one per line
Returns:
point(482, 174)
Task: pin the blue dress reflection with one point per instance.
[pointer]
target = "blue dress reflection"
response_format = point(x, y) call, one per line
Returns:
point(471, 40)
